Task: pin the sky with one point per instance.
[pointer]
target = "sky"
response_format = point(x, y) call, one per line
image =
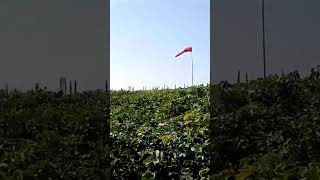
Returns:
point(292, 38)
point(43, 40)
point(146, 35)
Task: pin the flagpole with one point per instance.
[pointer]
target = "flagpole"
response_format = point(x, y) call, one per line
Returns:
point(192, 68)
point(263, 41)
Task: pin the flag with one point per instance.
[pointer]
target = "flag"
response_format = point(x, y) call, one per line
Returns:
point(188, 49)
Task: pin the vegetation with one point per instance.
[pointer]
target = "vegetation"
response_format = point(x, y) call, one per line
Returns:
point(161, 134)
point(264, 129)
point(267, 129)
point(44, 136)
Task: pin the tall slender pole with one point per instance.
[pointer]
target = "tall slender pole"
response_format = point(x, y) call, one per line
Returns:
point(70, 88)
point(75, 87)
point(264, 44)
point(7, 90)
point(191, 68)
point(247, 78)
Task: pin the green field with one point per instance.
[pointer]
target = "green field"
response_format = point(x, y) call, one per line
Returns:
point(263, 129)
point(163, 132)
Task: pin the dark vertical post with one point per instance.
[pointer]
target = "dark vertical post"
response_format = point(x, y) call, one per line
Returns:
point(263, 41)
point(7, 90)
point(60, 83)
point(65, 85)
point(318, 71)
point(247, 78)
point(238, 76)
point(70, 88)
point(75, 87)
point(37, 87)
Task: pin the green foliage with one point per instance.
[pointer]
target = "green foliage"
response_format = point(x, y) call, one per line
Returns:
point(267, 129)
point(160, 134)
point(48, 137)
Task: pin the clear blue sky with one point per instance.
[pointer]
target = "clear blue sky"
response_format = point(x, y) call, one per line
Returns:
point(147, 34)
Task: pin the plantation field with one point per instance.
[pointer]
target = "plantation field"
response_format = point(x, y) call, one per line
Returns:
point(264, 129)
point(267, 129)
point(160, 133)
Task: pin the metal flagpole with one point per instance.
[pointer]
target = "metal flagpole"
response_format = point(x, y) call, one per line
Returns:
point(263, 39)
point(192, 68)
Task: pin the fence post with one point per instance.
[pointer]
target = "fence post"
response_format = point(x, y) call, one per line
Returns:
point(75, 87)
point(36, 87)
point(247, 78)
point(60, 83)
point(65, 85)
point(7, 90)
point(70, 88)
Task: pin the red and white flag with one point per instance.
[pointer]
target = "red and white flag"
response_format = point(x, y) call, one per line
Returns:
point(188, 49)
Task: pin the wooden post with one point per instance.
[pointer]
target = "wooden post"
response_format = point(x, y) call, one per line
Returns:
point(70, 88)
point(238, 76)
point(247, 78)
point(65, 86)
point(75, 87)
point(7, 90)
point(60, 84)
point(37, 87)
